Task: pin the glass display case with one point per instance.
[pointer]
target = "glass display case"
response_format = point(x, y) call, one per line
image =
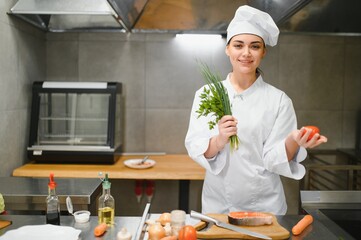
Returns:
point(75, 122)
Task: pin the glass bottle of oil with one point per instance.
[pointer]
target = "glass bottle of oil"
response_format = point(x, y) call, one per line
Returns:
point(106, 204)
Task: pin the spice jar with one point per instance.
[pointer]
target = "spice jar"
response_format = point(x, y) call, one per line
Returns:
point(178, 219)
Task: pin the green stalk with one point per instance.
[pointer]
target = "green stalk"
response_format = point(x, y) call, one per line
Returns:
point(215, 101)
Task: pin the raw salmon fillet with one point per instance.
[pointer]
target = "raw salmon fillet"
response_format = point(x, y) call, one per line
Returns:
point(249, 218)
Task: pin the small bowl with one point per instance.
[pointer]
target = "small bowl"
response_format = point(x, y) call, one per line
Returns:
point(82, 216)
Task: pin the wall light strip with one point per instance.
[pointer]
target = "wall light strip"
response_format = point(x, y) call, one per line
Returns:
point(188, 36)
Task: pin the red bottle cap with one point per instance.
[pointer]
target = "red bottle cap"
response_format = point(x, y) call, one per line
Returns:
point(52, 183)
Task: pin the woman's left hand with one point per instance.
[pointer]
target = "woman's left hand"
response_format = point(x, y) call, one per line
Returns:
point(301, 136)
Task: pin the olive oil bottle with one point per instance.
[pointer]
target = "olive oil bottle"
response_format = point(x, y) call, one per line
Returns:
point(106, 204)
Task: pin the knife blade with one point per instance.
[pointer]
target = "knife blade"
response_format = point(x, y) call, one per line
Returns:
point(221, 224)
point(140, 233)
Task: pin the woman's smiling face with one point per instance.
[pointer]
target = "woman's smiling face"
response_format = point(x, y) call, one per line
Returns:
point(245, 52)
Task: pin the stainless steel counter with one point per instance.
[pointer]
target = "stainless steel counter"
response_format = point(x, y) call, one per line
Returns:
point(331, 199)
point(339, 211)
point(130, 223)
point(28, 194)
point(316, 231)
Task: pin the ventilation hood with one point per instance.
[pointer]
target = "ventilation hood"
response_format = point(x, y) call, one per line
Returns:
point(186, 16)
point(79, 15)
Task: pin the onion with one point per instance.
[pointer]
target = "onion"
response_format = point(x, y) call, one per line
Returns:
point(168, 229)
point(164, 218)
point(156, 232)
point(170, 238)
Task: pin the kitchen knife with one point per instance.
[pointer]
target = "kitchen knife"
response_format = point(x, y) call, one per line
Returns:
point(221, 224)
point(140, 233)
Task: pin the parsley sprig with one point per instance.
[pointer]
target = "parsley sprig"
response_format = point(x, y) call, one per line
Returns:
point(215, 101)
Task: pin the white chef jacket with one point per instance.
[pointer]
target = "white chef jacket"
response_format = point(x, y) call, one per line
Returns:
point(247, 179)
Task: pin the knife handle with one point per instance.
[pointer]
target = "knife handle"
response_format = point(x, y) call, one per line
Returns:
point(200, 216)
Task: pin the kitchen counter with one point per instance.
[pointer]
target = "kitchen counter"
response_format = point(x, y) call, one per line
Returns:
point(130, 223)
point(316, 231)
point(167, 167)
point(28, 194)
point(339, 211)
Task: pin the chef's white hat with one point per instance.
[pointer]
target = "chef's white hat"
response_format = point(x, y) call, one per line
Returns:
point(253, 21)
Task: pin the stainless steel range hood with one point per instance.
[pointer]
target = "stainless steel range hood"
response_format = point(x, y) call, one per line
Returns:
point(186, 16)
point(79, 15)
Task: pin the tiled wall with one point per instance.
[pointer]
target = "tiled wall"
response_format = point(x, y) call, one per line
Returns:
point(22, 60)
point(159, 72)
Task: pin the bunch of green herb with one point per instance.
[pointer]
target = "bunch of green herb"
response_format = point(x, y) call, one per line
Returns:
point(215, 101)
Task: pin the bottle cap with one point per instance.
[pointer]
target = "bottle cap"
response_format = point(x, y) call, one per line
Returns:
point(106, 184)
point(52, 183)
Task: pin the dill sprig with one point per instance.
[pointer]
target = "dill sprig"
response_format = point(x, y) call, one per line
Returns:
point(215, 100)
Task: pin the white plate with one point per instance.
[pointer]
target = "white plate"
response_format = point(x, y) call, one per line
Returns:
point(135, 163)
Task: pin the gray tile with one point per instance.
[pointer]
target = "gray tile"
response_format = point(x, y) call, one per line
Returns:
point(115, 36)
point(23, 61)
point(309, 38)
point(115, 61)
point(172, 73)
point(352, 85)
point(134, 134)
point(24, 130)
point(219, 59)
point(166, 130)
point(32, 62)
point(329, 123)
point(23, 26)
point(4, 8)
point(350, 128)
point(9, 140)
point(270, 65)
point(159, 37)
point(312, 75)
point(67, 36)
point(15, 22)
point(62, 61)
point(8, 68)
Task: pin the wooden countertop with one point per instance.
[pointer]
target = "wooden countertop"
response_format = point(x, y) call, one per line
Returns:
point(167, 167)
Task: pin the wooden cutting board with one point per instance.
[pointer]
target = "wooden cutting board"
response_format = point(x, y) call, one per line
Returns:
point(4, 223)
point(275, 230)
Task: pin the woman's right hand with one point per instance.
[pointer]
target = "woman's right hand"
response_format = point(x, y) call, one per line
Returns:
point(227, 127)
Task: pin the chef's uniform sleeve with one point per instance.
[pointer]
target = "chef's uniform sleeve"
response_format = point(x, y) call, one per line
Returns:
point(197, 140)
point(275, 155)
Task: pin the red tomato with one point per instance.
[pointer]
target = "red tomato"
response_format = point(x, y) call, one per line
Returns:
point(187, 232)
point(314, 131)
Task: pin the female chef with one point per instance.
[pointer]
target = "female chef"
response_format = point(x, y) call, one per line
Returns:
point(248, 179)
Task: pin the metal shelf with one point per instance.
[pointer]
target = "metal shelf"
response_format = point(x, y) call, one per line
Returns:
point(331, 170)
